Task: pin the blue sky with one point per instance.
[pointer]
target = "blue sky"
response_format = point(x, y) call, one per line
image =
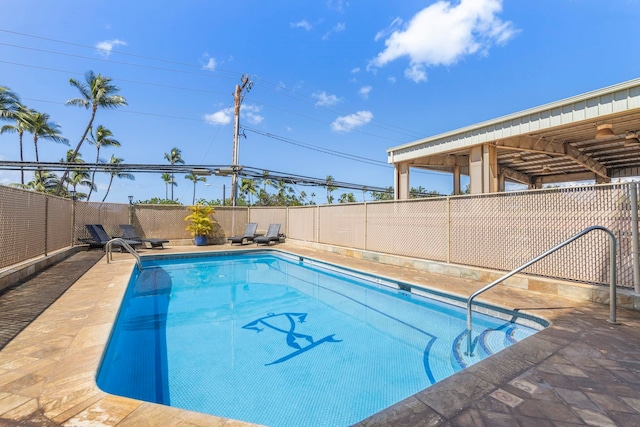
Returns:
point(331, 79)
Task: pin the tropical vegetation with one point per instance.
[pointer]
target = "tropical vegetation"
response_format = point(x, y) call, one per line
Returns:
point(98, 92)
point(199, 220)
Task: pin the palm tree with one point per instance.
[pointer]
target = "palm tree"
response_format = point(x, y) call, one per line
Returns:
point(42, 128)
point(43, 181)
point(8, 103)
point(21, 117)
point(96, 92)
point(102, 138)
point(195, 179)
point(116, 161)
point(78, 176)
point(347, 198)
point(330, 188)
point(265, 180)
point(248, 188)
point(174, 156)
point(168, 179)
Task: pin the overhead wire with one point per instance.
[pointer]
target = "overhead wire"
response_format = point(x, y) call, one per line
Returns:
point(267, 85)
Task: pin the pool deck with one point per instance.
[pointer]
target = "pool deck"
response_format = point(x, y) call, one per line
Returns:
point(580, 371)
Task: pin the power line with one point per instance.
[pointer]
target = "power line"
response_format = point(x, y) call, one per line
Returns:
point(223, 170)
point(319, 149)
point(268, 85)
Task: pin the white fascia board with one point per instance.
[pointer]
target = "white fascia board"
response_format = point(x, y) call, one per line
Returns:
point(602, 102)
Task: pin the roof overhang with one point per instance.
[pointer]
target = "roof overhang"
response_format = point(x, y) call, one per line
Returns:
point(583, 137)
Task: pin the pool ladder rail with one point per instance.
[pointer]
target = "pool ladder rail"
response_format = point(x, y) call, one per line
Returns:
point(108, 248)
point(612, 278)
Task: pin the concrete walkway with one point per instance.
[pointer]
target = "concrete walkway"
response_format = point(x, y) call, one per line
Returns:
point(581, 371)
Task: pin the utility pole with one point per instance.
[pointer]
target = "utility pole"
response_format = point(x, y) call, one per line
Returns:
point(237, 97)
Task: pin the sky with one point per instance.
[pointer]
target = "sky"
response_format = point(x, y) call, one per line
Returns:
point(334, 83)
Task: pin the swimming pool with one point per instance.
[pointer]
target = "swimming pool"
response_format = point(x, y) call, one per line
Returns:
point(275, 339)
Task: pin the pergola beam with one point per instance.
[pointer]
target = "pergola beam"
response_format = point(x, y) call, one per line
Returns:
point(553, 148)
point(514, 175)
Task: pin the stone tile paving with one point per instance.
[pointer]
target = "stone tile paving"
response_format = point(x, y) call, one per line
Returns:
point(581, 371)
point(25, 301)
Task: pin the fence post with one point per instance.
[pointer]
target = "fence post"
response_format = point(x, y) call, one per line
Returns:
point(634, 237)
point(317, 209)
point(366, 226)
point(448, 229)
point(46, 224)
point(73, 220)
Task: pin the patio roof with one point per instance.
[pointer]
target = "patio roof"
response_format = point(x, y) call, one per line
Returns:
point(590, 136)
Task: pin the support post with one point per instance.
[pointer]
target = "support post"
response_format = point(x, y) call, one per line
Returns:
point(634, 236)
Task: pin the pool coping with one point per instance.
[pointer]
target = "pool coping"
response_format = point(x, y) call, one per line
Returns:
point(50, 368)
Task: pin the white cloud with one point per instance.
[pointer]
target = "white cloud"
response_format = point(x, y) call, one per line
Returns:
point(393, 26)
point(302, 24)
point(105, 47)
point(444, 33)
point(222, 117)
point(365, 91)
point(392, 80)
point(251, 113)
point(355, 70)
point(208, 62)
point(337, 5)
point(248, 112)
point(352, 121)
point(338, 28)
point(416, 73)
point(325, 99)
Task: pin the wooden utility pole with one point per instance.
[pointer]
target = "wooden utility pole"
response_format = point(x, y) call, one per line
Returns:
point(237, 97)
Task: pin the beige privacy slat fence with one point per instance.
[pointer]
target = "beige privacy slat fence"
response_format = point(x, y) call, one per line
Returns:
point(497, 231)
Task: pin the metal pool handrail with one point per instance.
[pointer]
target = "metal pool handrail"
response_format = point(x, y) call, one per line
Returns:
point(612, 277)
point(124, 244)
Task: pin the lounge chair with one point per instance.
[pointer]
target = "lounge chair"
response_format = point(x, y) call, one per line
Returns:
point(248, 236)
point(99, 238)
point(273, 235)
point(130, 233)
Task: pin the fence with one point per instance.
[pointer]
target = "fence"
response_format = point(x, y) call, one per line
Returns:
point(498, 231)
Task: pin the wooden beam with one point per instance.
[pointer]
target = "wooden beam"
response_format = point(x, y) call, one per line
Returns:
point(442, 160)
point(553, 148)
point(514, 175)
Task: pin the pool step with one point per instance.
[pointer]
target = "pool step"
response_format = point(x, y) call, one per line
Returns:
point(486, 343)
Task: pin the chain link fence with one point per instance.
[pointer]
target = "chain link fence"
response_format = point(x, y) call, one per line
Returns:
point(497, 231)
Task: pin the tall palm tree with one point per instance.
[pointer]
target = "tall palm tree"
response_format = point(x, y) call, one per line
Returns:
point(21, 115)
point(116, 161)
point(8, 103)
point(101, 138)
point(42, 128)
point(249, 188)
point(330, 188)
point(168, 179)
point(96, 92)
point(265, 180)
point(77, 176)
point(174, 156)
point(195, 179)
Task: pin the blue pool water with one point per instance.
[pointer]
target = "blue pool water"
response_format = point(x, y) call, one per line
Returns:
point(273, 339)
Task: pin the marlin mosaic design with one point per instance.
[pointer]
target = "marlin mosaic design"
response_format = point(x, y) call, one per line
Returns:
point(285, 323)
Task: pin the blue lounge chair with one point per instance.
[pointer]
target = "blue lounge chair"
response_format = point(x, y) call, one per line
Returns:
point(248, 236)
point(130, 233)
point(99, 238)
point(273, 235)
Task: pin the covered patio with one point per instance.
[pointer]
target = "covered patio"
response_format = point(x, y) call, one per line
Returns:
point(589, 137)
